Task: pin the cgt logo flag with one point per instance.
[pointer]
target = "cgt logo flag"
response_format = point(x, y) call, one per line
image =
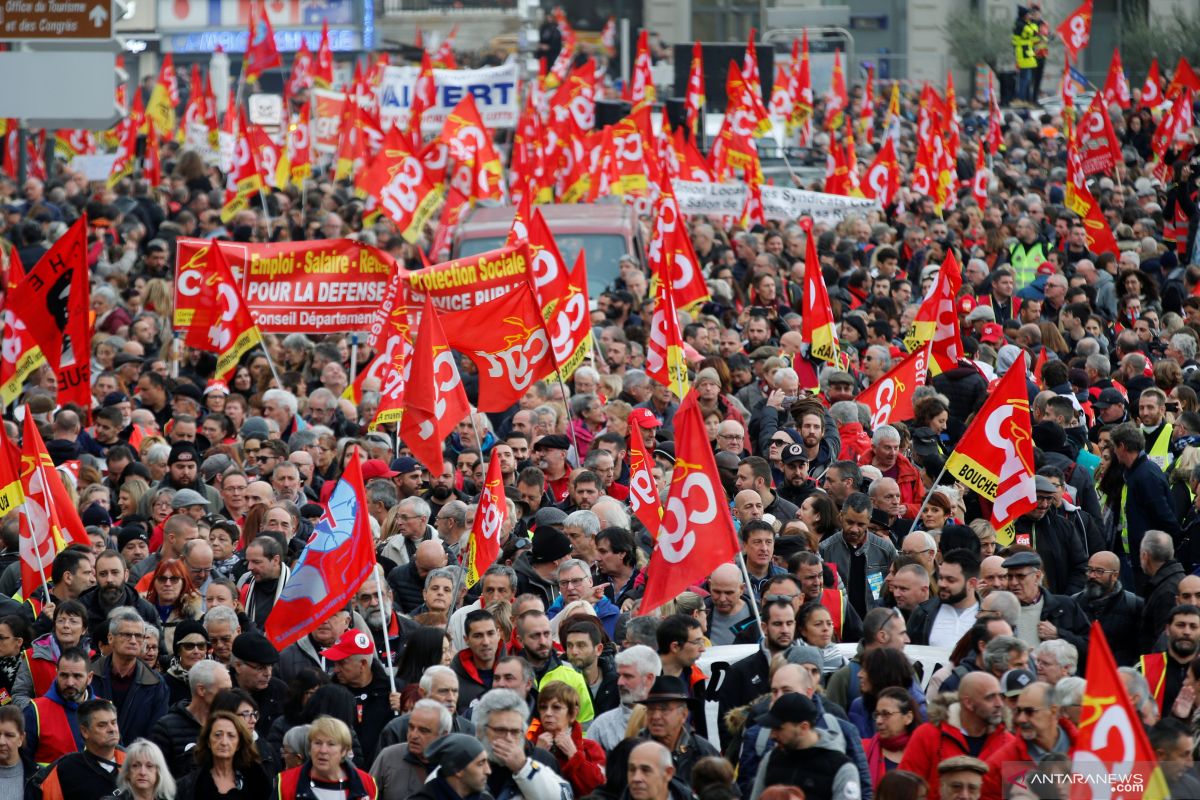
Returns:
point(696, 535)
point(643, 491)
point(484, 544)
point(818, 327)
point(937, 318)
point(890, 397)
point(50, 521)
point(435, 396)
point(338, 557)
point(222, 324)
point(1111, 747)
point(1076, 29)
point(995, 455)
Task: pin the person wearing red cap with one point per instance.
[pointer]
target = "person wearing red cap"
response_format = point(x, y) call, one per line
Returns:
point(356, 668)
point(644, 420)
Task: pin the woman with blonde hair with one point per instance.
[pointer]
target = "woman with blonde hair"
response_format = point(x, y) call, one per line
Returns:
point(327, 772)
point(144, 774)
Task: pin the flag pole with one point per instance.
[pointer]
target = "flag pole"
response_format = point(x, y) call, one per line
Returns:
point(387, 618)
point(353, 358)
point(741, 560)
point(271, 363)
point(929, 494)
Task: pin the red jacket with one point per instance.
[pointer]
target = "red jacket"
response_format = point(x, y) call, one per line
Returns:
point(855, 441)
point(912, 491)
point(932, 743)
point(584, 770)
point(1009, 764)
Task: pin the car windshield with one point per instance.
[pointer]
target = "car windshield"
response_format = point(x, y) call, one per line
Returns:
point(604, 251)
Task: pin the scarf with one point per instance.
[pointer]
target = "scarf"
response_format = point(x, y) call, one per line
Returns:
point(894, 742)
point(8, 675)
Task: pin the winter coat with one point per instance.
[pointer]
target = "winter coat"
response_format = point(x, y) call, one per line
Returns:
point(470, 685)
point(296, 784)
point(912, 491)
point(175, 734)
point(1063, 552)
point(941, 738)
point(1148, 507)
point(964, 387)
point(145, 701)
point(98, 615)
point(407, 587)
point(1161, 589)
point(688, 750)
point(538, 779)
point(529, 581)
point(584, 770)
point(397, 773)
point(879, 553)
point(300, 655)
point(855, 441)
point(1120, 616)
point(821, 771)
point(1015, 753)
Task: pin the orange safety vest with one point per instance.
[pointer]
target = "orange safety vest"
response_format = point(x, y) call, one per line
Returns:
point(55, 738)
point(1154, 670)
point(833, 602)
point(42, 671)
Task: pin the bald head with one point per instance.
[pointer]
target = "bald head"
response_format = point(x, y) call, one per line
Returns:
point(992, 575)
point(727, 574)
point(980, 699)
point(1188, 591)
point(430, 555)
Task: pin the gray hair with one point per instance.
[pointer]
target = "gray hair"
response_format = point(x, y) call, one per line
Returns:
point(219, 614)
point(302, 439)
point(1065, 653)
point(785, 373)
point(844, 412)
point(498, 701)
point(204, 673)
point(644, 631)
point(107, 293)
point(641, 658)
point(882, 353)
point(611, 513)
point(325, 396)
point(634, 378)
point(445, 721)
point(1139, 689)
point(296, 739)
point(450, 573)
point(1100, 363)
point(283, 397)
point(380, 490)
point(997, 652)
point(297, 341)
point(455, 511)
point(573, 563)
point(580, 403)
point(544, 415)
point(1069, 691)
point(146, 750)
point(506, 571)
point(585, 521)
point(1185, 344)
point(1087, 347)
point(122, 614)
point(158, 453)
point(426, 684)
point(1158, 546)
point(885, 433)
point(1004, 603)
point(417, 506)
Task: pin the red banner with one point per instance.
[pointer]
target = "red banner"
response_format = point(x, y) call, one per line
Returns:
point(293, 287)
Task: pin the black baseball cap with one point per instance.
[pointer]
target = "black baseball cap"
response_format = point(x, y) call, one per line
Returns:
point(790, 707)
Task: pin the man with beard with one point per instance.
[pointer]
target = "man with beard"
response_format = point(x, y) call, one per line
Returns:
point(112, 589)
point(1166, 671)
point(820, 450)
point(637, 668)
point(796, 485)
point(51, 724)
point(550, 455)
point(1117, 610)
point(1040, 732)
point(754, 473)
point(749, 677)
point(942, 621)
point(395, 628)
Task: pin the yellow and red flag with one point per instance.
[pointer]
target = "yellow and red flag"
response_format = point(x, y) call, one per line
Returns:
point(983, 175)
point(643, 491)
point(889, 399)
point(20, 352)
point(323, 66)
point(837, 100)
point(937, 318)
point(818, 326)
point(1116, 85)
point(221, 323)
point(800, 87)
point(50, 521)
point(641, 84)
point(694, 100)
point(883, 176)
point(753, 81)
point(243, 180)
point(483, 545)
point(11, 493)
point(300, 79)
point(164, 97)
point(994, 457)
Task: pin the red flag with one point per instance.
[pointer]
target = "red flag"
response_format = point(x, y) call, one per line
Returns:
point(424, 97)
point(883, 176)
point(1111, 738)
point(694, 100)
point(339, 556)
point(11, 494)
point(1151, 94)
point(435, 396)
point(1076, 29)
point(836, 101)
point(50, 521)
point(507, 340)
point(890, 398)
point(299, 148)
point(399, 180)
point(802, 94)
point(301, 77)
point(641, 84)
point(261, 53)
point(444, 57)
point(392, 335)
point(20, 354)
point(483, 546)
point(152, 163)
point(754, 85)
point(995, 455)
point(221, 323)
point(696, 535)
point(995, 136)
point(979, 184)
point(1116, 85)
point(818, 327)
point(643, 491)
point(1184, 77)
point(125, 159)
point(323, 68)
point(937, 318)
point(1037, 366)
point(1098, 144)
point(665, 361)
point(55, 306)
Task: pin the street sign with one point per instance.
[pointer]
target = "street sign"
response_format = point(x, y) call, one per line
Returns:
point(59, 87)
point(78, 20)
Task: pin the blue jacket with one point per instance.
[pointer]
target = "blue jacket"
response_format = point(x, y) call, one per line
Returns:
point(606, 611)
point(865, 722)
point(147, 699)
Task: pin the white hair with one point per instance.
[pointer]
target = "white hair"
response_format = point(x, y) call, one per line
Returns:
point(641, 658)
point(146, 750)
point(426, 684)
point(283, 397)
point(445, 721)
point(885, 433)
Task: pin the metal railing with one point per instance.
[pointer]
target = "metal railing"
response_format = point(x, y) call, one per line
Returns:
point(465, 7)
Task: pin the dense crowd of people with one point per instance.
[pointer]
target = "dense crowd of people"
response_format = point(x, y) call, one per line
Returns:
point(141, 669)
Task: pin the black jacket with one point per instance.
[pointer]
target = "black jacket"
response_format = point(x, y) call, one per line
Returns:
point(607, 696)
point(98, 615)
point(175, 733)
point(1064, 554)
point(1149, 508)
point(372, 709)
point(744, 682)
point(1073, 625)
point(407, 586)
point(1120, 616)
point(1160, 592)
point(964, 387)
point(79, 776)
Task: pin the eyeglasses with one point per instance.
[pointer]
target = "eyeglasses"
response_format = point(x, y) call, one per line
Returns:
point(128, 634)
point(779, 443)
point(916, 552)
point(730, 437)
point(264, 459)
point(251, 715)
point(1100, 571)
point(886, 714)
point(572, 582)
point(192, 645)
point(200, 570)
point(1027, 711)
point(169, 579)
point(508, 733)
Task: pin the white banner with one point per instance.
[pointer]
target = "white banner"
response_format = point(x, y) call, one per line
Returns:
point(779, 202)
point(494, 90)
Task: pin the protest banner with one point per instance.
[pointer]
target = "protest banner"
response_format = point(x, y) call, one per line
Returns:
point(295, 287)
point(326, 116)
point(494, 90)
point(779, 202)
point(464, 283)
